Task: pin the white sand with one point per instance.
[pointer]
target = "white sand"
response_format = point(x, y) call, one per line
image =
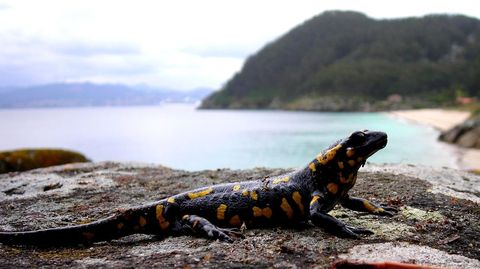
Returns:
point(442, 120)
point(470, 159)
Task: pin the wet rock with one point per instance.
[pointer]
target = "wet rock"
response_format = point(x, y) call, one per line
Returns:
point(437, 223)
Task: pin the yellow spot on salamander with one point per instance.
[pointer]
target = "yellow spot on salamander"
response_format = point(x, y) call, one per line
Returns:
point(254, 195)
point(245, 192)
point(351, 162)
point(371, 208)
point(267, 212)
point(314, 199)
point(368, 206)
point(161, 219)
point(142, 221)
point(340, 165)
point(236, 187)
point(352, 178)
point(198, 194)
point(342, 179)
point(379, 210)
point(359, 159)
point(312, 167)
point(88, 236)
point(279, 180)
point(285, 206)
point(262, 212)
point(257, 211)
point(298, 200)
point(221, 211)
point(350, 152)
point(235, 221)
point(332, 188)
point(120, 225)
point(171, 200)
point(329, 155)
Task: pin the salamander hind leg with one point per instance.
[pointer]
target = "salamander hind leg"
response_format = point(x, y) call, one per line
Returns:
point(193, 224)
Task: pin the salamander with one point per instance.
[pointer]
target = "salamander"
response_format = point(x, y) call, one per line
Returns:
point(218, 211)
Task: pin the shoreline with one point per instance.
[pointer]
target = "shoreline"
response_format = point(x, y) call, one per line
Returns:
point(442, 120)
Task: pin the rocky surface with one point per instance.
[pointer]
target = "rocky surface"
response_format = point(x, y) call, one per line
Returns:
point(438, 221)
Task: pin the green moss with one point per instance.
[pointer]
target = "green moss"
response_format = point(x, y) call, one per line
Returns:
point(27, 159)
point(421, 215)
point(381, 228)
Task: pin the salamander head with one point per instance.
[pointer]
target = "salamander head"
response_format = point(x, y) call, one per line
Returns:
point(347, 155)
point(362, 144)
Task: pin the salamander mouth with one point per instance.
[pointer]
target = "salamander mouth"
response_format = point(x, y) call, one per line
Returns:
point(375, 142)
point(378, 145)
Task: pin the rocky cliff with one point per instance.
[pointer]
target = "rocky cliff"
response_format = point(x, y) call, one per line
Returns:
point(437, 223)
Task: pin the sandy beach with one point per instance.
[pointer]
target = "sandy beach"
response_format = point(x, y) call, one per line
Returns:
point(442, 119)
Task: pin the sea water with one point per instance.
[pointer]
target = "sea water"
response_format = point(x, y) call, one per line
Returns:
point(179, 136)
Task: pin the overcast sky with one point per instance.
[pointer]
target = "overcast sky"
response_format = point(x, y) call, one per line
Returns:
point(176, 44)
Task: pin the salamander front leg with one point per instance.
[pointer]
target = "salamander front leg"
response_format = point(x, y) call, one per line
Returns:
point(192, 224)
point(336, 227)
point(362, 205)
point(332, 225)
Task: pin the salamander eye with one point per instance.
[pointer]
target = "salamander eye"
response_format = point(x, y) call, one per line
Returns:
point(357, 137)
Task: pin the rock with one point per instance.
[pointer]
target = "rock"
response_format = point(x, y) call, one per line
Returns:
point(437, 223)
point(470, 138)
point(451, 135)
point(466, 134)
point(28, 159)
point(406, 253)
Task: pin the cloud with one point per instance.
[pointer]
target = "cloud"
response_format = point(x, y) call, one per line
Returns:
point(4, 6)
point(93, 49)
point(222, 50)
point(26, 60)
point(11, 75)
point(25, 42)
point(177, 44)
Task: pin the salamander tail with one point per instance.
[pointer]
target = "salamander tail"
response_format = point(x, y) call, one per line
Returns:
point(122, 224)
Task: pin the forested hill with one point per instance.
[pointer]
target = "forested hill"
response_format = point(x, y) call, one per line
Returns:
point(346, 61)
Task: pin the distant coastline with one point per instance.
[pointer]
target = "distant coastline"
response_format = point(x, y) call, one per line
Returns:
point(443, 119)
point(88, 94)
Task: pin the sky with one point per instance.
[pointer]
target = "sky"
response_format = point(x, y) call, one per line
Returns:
point(173, 44)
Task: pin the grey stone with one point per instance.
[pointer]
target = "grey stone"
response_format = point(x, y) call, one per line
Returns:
point(466, 134)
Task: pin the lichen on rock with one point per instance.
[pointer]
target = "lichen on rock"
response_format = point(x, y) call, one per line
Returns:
point(28, 159)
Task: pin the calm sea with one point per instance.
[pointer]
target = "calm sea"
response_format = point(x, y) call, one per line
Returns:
point(179, 136)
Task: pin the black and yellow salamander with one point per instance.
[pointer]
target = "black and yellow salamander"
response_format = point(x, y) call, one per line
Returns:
point(218, 211)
